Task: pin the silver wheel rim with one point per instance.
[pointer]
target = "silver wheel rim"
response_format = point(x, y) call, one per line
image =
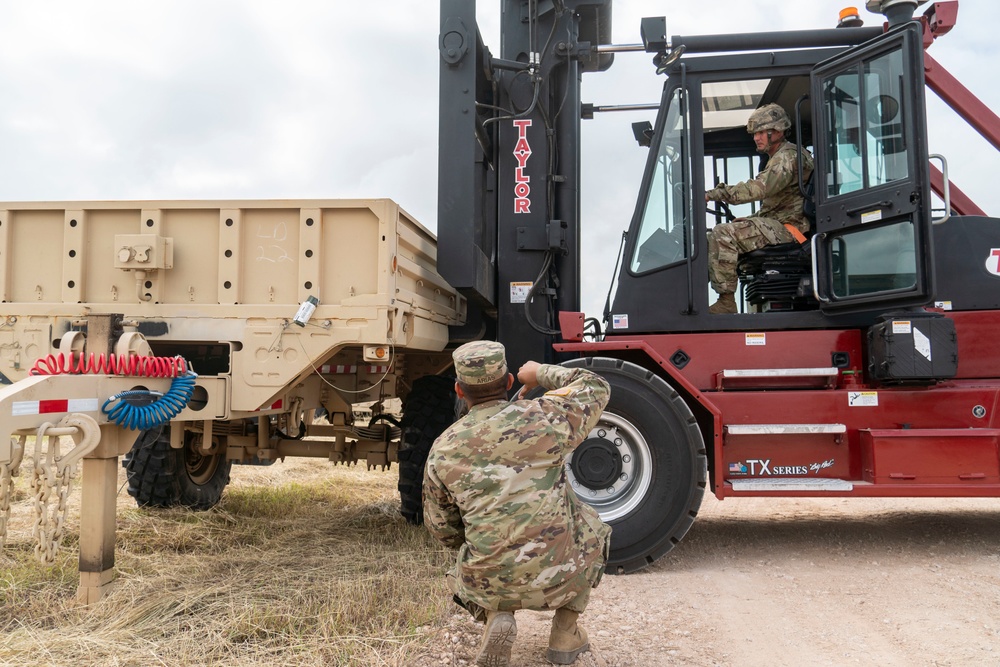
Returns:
point(625, 495)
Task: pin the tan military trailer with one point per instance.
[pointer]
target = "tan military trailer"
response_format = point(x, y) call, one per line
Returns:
point(189, 336)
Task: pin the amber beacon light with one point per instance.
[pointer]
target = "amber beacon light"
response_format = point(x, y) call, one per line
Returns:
point(849, 18)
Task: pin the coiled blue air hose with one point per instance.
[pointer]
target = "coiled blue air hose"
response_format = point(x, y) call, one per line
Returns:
point(163, 409)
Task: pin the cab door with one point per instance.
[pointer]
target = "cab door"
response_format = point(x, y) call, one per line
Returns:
point(872, 246)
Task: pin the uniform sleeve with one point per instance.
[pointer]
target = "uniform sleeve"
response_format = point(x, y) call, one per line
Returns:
point(576, 397)
point(441, 515)
point(775, 178)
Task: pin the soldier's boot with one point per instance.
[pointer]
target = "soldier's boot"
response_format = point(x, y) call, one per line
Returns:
point(726, 304)
point(498, 638)
point(567, 640)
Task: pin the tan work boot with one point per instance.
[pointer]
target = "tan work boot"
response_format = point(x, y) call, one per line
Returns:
point(726, 305)
point(498, 638)
point(567, 640)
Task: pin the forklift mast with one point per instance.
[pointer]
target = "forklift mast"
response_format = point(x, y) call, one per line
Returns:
point(509, 165)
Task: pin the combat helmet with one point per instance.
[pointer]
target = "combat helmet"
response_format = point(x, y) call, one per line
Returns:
point(768, 117)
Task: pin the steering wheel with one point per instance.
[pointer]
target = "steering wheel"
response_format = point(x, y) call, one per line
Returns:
point(721, 208)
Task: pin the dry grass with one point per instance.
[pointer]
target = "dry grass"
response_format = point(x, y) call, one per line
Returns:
point(301, 564)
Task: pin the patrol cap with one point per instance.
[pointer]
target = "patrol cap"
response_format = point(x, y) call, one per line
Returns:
point(480, 362)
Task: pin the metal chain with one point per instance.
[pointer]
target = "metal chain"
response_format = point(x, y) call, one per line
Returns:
point(48, 481)
point(8, 471)
point(53, 474)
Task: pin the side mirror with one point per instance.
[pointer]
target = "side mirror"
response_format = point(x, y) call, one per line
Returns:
point(643, 132)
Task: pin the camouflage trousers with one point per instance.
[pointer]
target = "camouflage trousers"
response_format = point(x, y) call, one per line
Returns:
point(536, 602)
point(728, 240)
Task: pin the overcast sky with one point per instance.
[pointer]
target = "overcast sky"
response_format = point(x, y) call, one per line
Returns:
point(214, 99)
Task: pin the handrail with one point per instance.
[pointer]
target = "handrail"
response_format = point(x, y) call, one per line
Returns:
point(815, 269)
point(946, 189)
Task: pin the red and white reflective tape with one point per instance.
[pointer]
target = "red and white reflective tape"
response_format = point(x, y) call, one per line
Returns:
point(350, 370)
point(20, 408)
point(337, 370)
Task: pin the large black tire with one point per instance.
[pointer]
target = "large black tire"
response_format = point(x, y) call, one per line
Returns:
point(429, 409)
point(159, 476)
point(643, 468)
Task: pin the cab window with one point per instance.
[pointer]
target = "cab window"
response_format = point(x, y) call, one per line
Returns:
point(662, 233)
point(864, 126)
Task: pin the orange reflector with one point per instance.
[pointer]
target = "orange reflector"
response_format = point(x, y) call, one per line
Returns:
point(380, 352)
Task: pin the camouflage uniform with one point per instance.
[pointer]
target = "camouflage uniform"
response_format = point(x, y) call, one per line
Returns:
point(495, 488)
point(777, 188)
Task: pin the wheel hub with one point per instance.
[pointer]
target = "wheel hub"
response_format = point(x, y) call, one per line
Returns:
point(200, 465)
point(612, 469)
point(596, 464)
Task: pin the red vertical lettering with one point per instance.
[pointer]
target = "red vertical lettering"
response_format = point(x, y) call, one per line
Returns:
point(522, 151)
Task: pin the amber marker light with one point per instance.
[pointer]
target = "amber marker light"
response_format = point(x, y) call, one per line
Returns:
point(376, 352)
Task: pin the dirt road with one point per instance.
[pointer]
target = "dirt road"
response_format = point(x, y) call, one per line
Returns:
point(795, 582)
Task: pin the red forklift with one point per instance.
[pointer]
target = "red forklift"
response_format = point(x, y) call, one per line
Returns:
point(861, 362)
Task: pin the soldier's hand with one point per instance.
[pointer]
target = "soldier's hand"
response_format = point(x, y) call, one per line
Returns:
point(528, 376)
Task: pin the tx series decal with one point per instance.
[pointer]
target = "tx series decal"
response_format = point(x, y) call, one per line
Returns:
point(522, 151)
point(761, 467)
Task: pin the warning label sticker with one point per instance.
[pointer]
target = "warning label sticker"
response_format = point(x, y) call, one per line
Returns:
point(871, 216)
point(901, 327)
point(756, 339)
point(862, 399)
point(519, 291)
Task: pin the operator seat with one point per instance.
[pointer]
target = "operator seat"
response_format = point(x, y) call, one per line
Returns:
point(779, 277)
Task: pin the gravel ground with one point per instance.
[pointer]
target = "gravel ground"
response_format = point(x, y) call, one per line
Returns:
point(793, 582)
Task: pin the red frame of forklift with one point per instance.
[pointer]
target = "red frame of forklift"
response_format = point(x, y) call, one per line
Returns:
point(949, 423)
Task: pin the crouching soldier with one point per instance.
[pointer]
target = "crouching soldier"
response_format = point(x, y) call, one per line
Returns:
point(495, 488)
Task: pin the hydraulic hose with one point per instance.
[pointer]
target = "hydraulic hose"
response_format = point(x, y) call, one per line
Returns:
point(129, 414)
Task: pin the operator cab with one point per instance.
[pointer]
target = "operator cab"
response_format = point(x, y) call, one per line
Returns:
point(859, 111)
